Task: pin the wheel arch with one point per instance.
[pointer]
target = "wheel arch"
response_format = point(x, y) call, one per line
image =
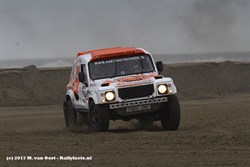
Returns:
point(94, 98)
point(70, 96)
point(90, 100)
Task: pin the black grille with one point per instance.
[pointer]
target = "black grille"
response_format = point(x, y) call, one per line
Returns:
point(136, 92)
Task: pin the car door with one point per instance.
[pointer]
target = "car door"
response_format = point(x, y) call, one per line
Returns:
point(83, 90)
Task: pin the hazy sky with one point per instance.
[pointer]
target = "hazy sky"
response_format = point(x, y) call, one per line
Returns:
point(61, 28)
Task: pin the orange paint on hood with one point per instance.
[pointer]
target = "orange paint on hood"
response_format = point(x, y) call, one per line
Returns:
point(137, 78)
point(130, 79)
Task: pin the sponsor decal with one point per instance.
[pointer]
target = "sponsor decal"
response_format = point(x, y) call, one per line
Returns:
point(117, 60)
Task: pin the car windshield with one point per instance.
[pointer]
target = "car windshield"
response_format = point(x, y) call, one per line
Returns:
point(120, 66)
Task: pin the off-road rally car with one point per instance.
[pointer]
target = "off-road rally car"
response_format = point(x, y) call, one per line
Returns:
point(119, 83)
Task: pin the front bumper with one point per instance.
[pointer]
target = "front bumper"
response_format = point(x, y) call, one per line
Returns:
point(145, 106)
point(138, 103)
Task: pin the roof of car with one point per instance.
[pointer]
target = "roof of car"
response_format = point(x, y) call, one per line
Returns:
point(111, 52)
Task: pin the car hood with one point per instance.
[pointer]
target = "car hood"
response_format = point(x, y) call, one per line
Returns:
point(126, 81)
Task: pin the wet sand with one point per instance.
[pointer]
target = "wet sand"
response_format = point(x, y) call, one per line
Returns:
point(213, 132)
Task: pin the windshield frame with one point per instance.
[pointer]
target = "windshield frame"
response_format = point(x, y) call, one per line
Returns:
point(150, 58)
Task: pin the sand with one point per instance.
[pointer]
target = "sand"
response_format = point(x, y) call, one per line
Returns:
point(32, 86)
point(214, 129)
point(213, 132)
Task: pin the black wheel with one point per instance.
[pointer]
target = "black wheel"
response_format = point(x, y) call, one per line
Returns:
point(170, 113)
point(70, 116)
point(98, 117)
point(146, 122)
point(65, 106)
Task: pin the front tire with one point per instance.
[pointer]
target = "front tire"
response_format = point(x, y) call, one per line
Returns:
point(70, 116)
point(98, 117)
point(170, 113)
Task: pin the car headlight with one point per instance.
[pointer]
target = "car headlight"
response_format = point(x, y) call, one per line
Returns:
point(110, 96)
point(162, 89)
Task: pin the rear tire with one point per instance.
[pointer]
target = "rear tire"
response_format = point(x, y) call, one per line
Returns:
point(170, 113)
point(98, 117)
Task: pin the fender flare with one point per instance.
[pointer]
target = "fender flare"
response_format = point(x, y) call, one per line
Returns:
point(93, 97)
point(70, 95)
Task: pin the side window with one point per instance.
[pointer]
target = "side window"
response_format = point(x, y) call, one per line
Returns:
point(77, 68)
point(83, 69)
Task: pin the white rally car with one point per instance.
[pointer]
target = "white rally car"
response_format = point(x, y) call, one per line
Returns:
point(119, 83)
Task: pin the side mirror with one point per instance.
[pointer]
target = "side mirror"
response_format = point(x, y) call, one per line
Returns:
point(159, 66)
point(81, 76)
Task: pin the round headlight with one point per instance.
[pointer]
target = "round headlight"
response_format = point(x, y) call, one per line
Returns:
point(162, 89)
point(110, 96)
